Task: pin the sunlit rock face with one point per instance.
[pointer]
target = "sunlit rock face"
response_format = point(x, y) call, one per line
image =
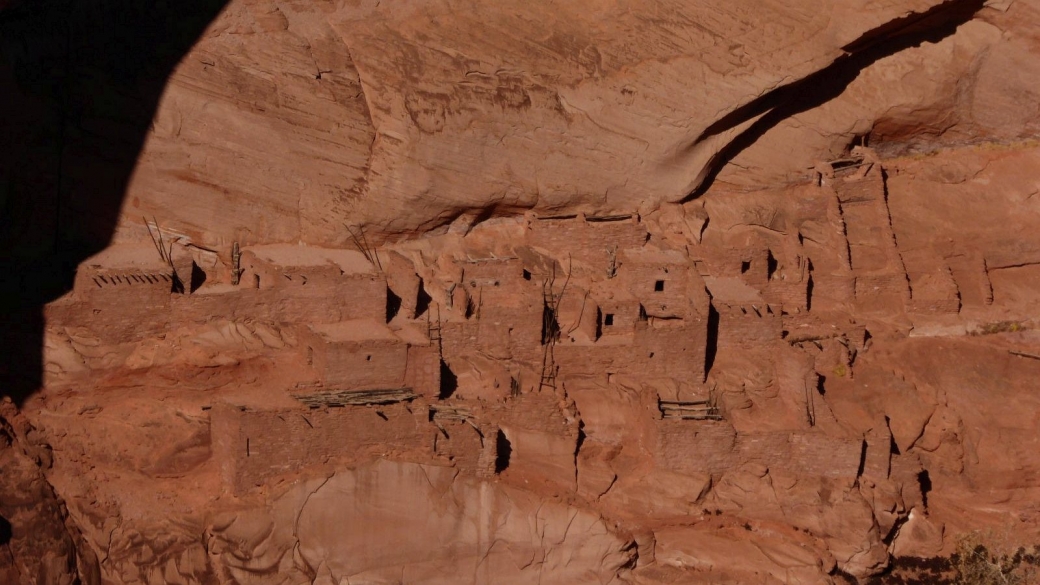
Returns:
point(289, 121)
point(466, 292)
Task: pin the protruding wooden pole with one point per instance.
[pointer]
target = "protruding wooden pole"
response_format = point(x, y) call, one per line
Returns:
point(236, 264)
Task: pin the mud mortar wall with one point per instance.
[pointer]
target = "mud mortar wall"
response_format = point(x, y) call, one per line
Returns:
point(254, 446)
point(709, 447)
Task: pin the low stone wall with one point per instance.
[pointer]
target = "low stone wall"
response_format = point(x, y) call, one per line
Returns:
point(126, 313)
point(253, 446)
point(713, 447)
point(746, 327)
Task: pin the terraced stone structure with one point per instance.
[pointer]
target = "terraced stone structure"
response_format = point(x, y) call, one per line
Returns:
point(462, 292)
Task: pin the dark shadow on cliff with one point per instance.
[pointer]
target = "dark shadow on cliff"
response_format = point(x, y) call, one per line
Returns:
point(828, 83)
point(79, 84)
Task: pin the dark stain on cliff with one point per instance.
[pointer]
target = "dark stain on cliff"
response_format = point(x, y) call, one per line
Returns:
point(930, 26)
point(79, 84)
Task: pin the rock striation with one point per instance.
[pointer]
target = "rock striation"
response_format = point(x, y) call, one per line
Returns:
point(449, 292)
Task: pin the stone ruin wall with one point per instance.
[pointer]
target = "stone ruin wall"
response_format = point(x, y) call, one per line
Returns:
point(254, 446)
point(654, 333)
point(375, 364)
point(114, 316)
point(592, 244)
point(709, 447)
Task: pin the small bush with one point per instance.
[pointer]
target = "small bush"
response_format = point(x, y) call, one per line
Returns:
point(999, 327)
point(985, 559)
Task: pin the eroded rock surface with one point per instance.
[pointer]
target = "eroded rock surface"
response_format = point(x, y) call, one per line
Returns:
point(611, 293)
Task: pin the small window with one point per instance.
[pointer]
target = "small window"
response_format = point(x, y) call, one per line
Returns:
point(659, 286)
point(527, 274)
point(368, 358)
point(745, 266)
point(608, 319)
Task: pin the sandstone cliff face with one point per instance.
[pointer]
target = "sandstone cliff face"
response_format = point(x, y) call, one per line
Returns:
point(456, 292)
point(384, 115)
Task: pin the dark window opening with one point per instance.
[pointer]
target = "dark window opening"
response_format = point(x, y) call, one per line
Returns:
point(712, 345)
point(651, 354)
point(527, 274)
point(5, 531)
point(368, 358)
point(198, 277)
point(862, 459)
point(808, 294)
point(926, 486)
point(449, 381)
point(422, 300)
point(256, 281)
point(894, 447)
point(745, 266)
point(642, 313)
point(608, 320)
point(820, 381)
point(771, 264)
point(393, 305)
point(503, 450)
point(842, 164)
point(659, 286)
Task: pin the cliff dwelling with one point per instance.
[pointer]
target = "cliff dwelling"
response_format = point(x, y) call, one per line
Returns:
point(408, 292)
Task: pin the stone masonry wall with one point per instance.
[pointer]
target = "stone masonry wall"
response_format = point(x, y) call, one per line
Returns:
point(708, 447)
point(253, 446)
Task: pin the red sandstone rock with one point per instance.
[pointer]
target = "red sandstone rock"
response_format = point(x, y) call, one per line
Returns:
point(475, 329)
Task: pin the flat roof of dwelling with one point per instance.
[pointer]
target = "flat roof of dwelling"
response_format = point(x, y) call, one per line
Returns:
point(355, 330)
point(284, 255)
point(127, 256)
point(651, 255)
point(414, 333)
point(731, 289)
